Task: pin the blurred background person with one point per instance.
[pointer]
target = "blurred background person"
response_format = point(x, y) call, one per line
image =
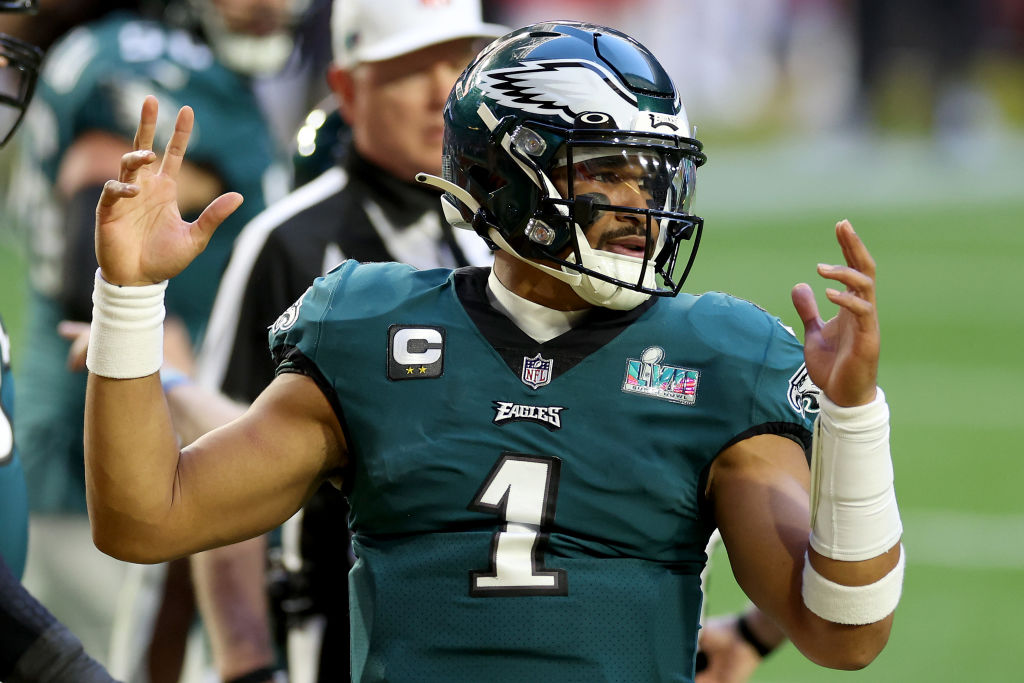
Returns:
point(34, 646)
point(211, 54)
point(394, 65)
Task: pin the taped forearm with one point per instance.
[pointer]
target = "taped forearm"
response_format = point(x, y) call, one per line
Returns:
point(854, 514)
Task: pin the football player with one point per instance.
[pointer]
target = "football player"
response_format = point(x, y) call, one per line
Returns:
point(535, 454)
point(209, 54)
point(34, 646)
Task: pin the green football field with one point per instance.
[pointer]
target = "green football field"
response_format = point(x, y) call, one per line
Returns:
point(948, 237)
point(945, 226)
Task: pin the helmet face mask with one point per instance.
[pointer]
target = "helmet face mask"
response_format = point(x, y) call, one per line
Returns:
point(19, 70)
point(571, 140)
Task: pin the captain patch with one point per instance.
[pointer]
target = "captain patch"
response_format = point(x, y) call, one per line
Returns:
point(415, 352)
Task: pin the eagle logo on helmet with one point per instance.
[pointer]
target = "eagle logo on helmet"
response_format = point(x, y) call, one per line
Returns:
point(564, 88)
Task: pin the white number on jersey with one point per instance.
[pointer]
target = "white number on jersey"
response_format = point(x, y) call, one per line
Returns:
point(521, 489)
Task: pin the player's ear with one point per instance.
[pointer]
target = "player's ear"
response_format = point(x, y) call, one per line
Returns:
point(343, 86)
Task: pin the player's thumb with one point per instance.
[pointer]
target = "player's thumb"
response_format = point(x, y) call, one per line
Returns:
point(214, 214)
point(806, 307)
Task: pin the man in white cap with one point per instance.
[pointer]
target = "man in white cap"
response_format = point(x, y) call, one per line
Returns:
point(394, 64)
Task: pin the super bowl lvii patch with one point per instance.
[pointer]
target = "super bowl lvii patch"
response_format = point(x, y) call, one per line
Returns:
point(648, 376)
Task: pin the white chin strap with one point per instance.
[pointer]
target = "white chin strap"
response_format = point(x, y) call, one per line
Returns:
point(619, 266)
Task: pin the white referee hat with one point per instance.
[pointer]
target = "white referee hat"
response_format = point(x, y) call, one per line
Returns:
point(375, 30)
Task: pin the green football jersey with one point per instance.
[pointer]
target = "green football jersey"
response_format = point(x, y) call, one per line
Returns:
point(95, 79)
point(13, 498)
point(526, 511)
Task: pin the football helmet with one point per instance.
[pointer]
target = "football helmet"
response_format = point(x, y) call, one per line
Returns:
point(565, 130)
point(19, 70)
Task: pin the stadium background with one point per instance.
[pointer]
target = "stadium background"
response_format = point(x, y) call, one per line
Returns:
point(929, 167)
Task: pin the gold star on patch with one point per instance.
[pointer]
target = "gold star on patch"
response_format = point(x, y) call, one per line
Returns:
point(423, 370)
point(408, 371)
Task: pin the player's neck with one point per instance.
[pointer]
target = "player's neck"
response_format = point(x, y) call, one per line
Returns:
point(534, 285)
point(539, 322)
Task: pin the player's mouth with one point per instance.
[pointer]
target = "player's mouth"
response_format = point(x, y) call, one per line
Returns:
point(633, 245)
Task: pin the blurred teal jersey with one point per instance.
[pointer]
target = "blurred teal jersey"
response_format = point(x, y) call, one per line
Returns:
point(95, 80)
point(13, 499)
point(526, 511)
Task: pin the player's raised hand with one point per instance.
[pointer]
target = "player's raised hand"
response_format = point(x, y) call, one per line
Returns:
point(140, 235)
point(842, 354)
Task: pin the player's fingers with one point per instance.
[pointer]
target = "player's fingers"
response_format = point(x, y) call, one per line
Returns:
point(855, 280)
point(132, 162)
point(115, 190)
point(174, 153)
point(147, 124)
point(862, 310)
point(214, 214)
point(855, 253)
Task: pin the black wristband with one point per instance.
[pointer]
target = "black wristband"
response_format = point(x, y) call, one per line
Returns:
point(260, 675)
point(748, 636)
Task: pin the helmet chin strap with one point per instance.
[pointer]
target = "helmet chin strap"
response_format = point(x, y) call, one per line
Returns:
point(619, 266)
point(454, 217)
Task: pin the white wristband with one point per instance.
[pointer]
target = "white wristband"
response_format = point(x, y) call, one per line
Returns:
point(854, 605)
point(854, 515)
point(127, 335)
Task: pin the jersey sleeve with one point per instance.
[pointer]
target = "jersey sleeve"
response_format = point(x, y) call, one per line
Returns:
point(762, 384)
point(785, 401)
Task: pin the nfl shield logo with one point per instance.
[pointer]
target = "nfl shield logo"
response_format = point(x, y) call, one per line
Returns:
point(536, 371)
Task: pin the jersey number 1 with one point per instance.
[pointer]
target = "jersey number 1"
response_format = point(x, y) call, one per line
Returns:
point(521, 489)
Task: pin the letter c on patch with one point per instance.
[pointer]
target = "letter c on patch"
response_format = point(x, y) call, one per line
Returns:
point(417, 345)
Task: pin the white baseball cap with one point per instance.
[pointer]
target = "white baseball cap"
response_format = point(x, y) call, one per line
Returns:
point(375, 30)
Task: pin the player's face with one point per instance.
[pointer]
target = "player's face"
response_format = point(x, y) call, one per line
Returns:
point(254, 17)
point(397, 104)
point(617, 181)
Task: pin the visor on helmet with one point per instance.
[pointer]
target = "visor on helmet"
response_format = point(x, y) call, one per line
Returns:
point(629, 195)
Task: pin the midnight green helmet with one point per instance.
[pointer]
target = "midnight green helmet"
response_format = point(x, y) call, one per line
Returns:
point(543, 131)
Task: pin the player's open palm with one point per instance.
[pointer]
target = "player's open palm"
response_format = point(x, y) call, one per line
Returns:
point(842, 354)
point(140, 235)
